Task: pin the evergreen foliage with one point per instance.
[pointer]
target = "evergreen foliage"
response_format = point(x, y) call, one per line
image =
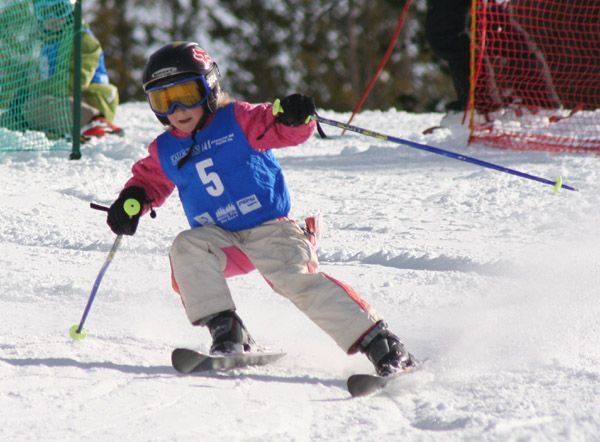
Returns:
point(270, 48)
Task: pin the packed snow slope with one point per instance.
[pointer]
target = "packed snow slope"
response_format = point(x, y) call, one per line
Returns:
point(494, 278)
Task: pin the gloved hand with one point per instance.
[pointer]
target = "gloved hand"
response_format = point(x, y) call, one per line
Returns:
point(124, 214)
point(294, 110)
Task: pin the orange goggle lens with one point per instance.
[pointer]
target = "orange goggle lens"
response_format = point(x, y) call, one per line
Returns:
point(188, 93)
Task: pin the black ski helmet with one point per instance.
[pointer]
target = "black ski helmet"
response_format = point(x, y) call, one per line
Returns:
point(182, 59)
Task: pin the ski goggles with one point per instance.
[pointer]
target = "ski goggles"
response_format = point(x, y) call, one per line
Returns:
point(187, 92)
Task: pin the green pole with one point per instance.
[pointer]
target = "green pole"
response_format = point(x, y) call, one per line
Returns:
point(76, 151)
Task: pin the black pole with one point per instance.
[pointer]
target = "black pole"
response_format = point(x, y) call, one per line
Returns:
point(76, 149)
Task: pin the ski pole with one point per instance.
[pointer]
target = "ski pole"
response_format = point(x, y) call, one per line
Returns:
point(132, 207)
point(557, 184)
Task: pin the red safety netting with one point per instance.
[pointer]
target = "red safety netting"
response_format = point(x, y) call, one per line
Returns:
point(536, 74)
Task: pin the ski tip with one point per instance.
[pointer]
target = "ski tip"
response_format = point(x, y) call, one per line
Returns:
point(181, 350)
point(367, 384)
point(186, 361)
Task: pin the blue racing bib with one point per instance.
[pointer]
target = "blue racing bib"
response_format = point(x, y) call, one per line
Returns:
point(223, 180)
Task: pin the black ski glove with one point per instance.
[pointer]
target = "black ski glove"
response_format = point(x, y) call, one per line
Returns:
point(294, 110)
point(124, 214)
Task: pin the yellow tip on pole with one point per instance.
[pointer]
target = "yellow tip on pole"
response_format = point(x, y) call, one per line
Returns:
point(277, 107)
point(558, 184)
point(75, 335)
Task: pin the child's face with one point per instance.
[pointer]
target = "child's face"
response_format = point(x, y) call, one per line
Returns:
point(54, 24)
point(186, 119)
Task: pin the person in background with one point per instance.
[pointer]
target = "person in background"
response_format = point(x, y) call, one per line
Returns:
point(446, 30)
point(218, 154)
point(100, 98)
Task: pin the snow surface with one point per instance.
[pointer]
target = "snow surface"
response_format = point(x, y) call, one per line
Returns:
point(492, 277)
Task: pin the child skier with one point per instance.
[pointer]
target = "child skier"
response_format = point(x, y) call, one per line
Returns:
point(218, 154)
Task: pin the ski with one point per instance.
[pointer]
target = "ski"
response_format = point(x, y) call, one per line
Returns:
point(366, 384)
point(188, 361)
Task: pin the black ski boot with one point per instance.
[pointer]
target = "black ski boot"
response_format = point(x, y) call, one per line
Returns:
point(386, 352)
point(229, 334)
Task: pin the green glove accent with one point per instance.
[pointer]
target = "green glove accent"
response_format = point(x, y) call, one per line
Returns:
point(277, 109)
point(132, 207)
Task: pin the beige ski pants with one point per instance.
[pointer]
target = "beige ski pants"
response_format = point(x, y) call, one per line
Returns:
point(282, 253)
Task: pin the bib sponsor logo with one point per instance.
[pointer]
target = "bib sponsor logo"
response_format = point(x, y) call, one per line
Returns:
point(248, 204)
point(177, 156)
point(227, 213)
point(204, 219)
point(223, 140)
point(201, 56)
point(165, 72)
point(203, 147)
